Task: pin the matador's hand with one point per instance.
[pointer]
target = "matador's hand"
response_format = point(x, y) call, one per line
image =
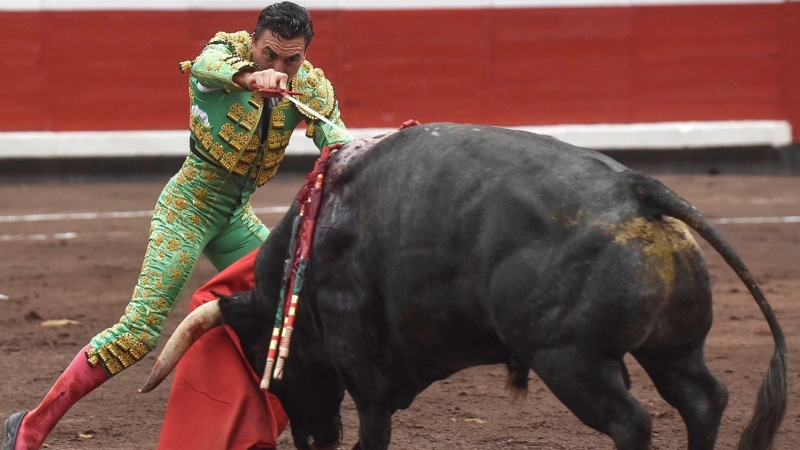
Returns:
point(264, 79)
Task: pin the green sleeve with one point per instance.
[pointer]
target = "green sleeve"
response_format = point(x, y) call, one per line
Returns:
point(325, 134)
point(217, 64)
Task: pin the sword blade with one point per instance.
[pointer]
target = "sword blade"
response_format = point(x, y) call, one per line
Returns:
point(319, 116)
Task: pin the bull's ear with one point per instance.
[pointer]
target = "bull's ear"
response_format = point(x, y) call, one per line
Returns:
point(237, 309)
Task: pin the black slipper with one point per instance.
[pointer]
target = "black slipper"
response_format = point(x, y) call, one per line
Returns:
point(11, 429)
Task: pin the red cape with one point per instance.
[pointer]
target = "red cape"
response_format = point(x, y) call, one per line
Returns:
point(215, 402)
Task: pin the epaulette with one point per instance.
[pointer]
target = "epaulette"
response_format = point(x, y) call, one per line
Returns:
point(238, 42)
point(318, 92)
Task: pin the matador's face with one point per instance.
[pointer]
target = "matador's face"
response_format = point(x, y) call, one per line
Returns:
point(280, 55)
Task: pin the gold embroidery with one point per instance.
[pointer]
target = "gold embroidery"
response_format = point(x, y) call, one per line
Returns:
point(254, 144)
point(228, 160)
point(236, 112)
point(216, 151)
point(118, 354)
point(278, 119)
point(200, 132)
point(171, 216)
point(272, 159)
point(273, 140)
point(172, 244)
point(210, 175)
point(318, 92)
point(226, 132)
point(180, 203)
point(206, 140)
point(189, 173)
point(246, 159)
point(310, 129)
point(305, 98)
point(256, 100)
point(243, 140)
point(249, 120)
point(277, 140)
point(200, 195)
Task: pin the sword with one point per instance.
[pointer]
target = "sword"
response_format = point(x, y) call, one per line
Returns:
point(288, 95)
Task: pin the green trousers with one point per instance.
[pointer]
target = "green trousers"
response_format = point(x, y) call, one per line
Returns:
point(203, 209)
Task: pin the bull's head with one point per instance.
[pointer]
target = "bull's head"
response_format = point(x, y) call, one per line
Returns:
point(311, 391)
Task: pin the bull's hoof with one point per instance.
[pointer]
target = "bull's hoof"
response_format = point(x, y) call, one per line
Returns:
point(11, 429)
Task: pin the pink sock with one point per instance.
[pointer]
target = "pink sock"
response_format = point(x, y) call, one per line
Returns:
point(77, 380)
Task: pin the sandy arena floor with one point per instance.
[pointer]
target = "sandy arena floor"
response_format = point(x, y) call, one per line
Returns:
point(88, 276)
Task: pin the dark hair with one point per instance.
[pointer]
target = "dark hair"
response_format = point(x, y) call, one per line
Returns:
point(285, 20)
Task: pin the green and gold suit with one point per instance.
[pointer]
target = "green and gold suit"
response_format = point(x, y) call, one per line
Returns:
point(205, 207)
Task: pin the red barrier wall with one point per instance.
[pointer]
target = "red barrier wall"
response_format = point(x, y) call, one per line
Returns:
point(118, 70)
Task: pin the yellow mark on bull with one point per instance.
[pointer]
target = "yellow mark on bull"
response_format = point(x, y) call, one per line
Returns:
point(568, 220)
point(661, 240)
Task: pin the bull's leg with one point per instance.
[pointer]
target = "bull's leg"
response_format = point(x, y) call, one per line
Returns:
point(372, 399)
point(593, 387)
point(366, 374)
point(375, 428)
point(684, 381)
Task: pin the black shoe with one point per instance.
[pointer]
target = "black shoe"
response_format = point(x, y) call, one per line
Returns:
point(11, 429)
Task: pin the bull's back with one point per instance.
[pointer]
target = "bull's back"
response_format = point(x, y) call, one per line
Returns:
point(452, 181)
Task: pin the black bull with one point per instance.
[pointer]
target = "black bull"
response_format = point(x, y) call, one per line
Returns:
point(450, 246)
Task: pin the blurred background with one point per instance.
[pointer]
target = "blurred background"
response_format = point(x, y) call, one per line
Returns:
point(99, 79)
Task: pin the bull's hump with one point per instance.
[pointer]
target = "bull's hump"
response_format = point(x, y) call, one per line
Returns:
point(350, 154)
point(469, 150)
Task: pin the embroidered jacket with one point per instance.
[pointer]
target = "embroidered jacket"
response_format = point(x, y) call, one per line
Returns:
point(224, 118)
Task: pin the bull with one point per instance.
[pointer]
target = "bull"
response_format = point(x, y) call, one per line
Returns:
point(448, 246)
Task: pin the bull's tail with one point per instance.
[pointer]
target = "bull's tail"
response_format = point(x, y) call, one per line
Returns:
point(771, 402)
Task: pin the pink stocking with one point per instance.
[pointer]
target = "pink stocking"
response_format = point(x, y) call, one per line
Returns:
point(77, 380)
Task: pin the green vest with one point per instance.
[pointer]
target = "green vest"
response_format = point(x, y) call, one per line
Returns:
point(224, 118)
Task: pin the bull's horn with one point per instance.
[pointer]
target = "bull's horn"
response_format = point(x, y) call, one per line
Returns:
point(194, 326)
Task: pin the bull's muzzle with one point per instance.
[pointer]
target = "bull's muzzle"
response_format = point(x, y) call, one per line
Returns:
point(194, 326)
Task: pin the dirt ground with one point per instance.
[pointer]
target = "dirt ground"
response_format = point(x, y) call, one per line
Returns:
point(88, 277)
